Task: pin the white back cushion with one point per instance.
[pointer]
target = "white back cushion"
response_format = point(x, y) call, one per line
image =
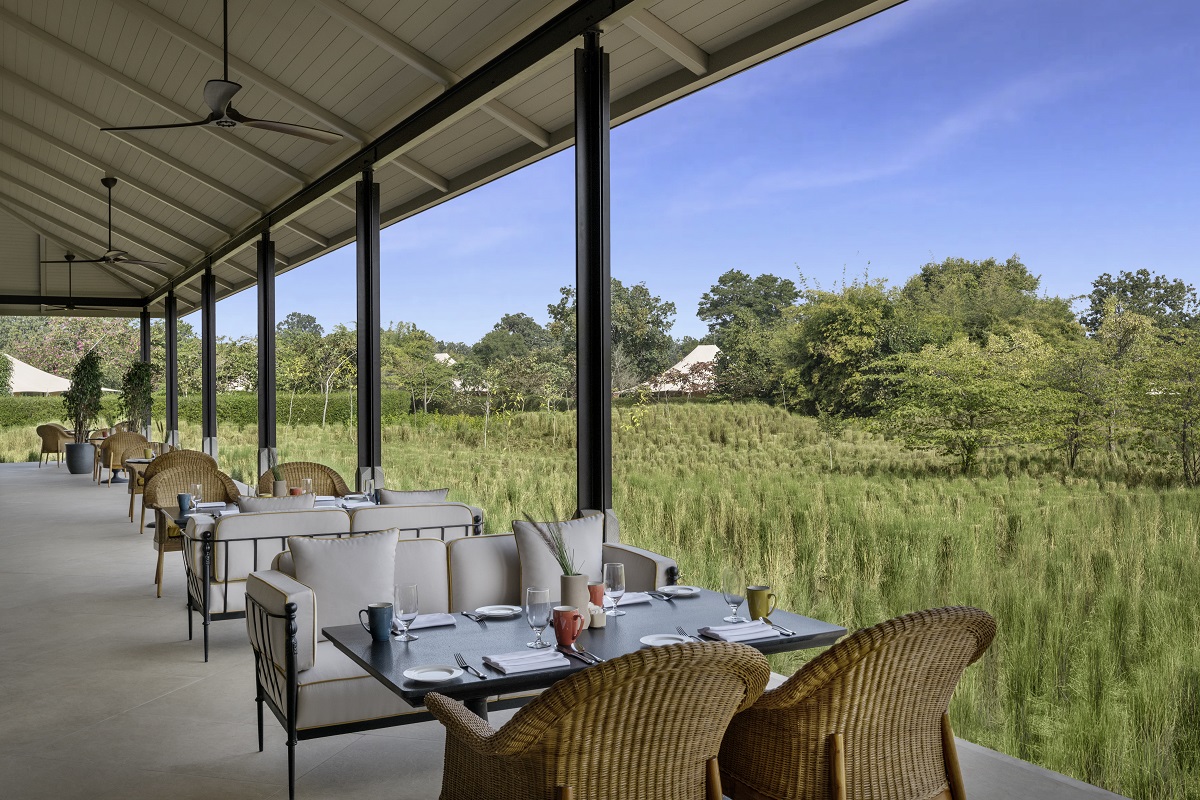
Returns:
point(423, 562)
point(293, 502)
point(443, 521)
point(584, 538)
point(485, 570)
point(392, 497)
point(274, 525)
point(346, 575)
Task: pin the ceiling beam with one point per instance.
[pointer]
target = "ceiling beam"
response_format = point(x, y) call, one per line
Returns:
point(153, 152)
point(91, 219)
point(63, 300)
point(96, 195)
point(668, 40)
point(430, 68)
point(105, 169)
point(424, 173)
point(214, 51)
point(164, 103)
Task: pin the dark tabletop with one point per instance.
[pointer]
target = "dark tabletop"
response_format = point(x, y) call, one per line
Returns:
point(387, 661)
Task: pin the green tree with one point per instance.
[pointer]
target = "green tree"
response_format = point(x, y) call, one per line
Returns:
point(986, 297)
point(963, 397)
point(1172, 397)
point(408, 364)
point(828, 340)
point(514, 335)
point(237, 364)
point(1167, 302)
point(748, 365)
point(5, 376)
point(333, 361)
point(763, 298)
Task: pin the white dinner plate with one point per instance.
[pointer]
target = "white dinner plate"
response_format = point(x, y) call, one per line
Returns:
point(434, 673)
point(660, 639)
point(679, 591)
point(498, 611)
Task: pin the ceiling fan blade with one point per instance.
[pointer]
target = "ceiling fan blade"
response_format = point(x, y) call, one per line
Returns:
point(77, 261)
point(159, 127)
point(139, 262)
point(219, 94)
point(315, 134)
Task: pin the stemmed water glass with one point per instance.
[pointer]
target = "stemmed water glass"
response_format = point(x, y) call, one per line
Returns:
point(405, 609)
point(196, 490)
point(537, 614)
point(731, 590)
point(306, 485)
point(614, 587)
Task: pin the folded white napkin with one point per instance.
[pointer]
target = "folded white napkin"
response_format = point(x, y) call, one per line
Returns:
point(527, 661)
point(349, 504)
point(212, 504)
point(426, 621)
point(628, 599)
point(323, 498)
point(225, 512)
point(740, 631)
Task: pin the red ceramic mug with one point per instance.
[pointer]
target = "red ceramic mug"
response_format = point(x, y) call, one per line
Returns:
point(568, 624)
point(596, 593)
point(295, 490)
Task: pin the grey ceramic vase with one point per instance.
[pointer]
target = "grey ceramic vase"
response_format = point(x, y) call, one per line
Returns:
point(574, 593)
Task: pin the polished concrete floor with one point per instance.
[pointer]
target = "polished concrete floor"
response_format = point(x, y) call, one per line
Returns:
point(103, 696)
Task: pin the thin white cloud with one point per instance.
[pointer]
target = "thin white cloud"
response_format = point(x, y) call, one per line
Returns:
point(1006, 105)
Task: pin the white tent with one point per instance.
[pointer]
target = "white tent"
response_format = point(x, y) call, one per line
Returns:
point(693, 373)
point(31, 380)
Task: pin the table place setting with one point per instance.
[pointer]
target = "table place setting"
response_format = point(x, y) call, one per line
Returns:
point(670, 592)
point(525, 661)
point(437, 620)
point(627, 599)
point(741, 631)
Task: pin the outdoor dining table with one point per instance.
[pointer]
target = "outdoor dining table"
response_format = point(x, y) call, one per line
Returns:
point(387, 661)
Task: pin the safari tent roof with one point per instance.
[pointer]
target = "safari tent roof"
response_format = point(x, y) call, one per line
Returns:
point(28, 379)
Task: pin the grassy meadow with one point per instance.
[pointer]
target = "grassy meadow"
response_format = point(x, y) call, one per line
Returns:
point(1093, 577)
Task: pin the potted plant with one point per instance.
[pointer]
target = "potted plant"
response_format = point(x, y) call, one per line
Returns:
point(573, 585)
point(81, 403)
point(279, 487)
point(135, 396)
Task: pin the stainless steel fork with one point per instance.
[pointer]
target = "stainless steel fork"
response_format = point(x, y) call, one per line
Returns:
point(462, 662)
point(682, 632)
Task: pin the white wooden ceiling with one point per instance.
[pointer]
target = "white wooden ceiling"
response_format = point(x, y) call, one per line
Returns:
point(70, 67)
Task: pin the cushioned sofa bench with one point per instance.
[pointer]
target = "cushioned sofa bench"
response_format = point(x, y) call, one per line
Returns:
point(314, 690)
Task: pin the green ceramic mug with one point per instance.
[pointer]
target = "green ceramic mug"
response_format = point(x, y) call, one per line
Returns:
point(760, 600)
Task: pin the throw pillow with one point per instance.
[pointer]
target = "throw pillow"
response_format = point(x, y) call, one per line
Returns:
point(390, 497)
point(583, 536)
point(295, 502)
point(346, 575)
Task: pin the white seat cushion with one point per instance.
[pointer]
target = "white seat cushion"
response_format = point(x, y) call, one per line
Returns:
point(584, 537)
point(346, 575)
point(295, 502)
point(217, 597)
point(337, 691)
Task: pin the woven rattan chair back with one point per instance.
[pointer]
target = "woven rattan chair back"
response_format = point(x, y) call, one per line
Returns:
point(866, 719)
point(645, 725)
point(177, 457)
point(163, 489)
point(54, 440)
point(325, 480)
point(112, 448)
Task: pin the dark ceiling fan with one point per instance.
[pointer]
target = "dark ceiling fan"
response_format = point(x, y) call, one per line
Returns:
point(218, 94)
point(70, 306)
point(114, 257)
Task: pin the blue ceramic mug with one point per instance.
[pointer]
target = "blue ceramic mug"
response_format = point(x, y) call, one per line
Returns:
point(185, 504)
point(379, 621)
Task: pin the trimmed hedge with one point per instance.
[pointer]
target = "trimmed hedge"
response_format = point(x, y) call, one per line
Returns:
point(234, 408)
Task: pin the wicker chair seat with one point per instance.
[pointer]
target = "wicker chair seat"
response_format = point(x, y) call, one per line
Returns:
point(325, 480)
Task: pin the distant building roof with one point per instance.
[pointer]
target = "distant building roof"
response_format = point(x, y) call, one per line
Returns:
point(445, 358)
point(675, 379)
point(28, 379)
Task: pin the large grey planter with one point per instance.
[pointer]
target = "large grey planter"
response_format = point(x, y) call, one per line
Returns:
point(80, 457)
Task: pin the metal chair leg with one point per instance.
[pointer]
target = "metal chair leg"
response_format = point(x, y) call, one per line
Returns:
point(259, 702)
point(158, 574)
point(291, 770)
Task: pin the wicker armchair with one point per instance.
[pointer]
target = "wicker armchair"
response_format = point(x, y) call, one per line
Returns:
point(54, 442)
point(647, 724)
point(114, 448)
point(866, 719)
point(162, 491)
point(325, 480)
point(170, 458)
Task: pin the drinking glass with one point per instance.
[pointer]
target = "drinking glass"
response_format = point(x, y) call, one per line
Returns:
point(196, 490)
point(614, 587)
point(405, 608)
point(537, 614)
point(306, 485)
point(734, 594)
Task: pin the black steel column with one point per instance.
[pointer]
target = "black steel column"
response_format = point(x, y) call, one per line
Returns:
point(593, 343)
point(370, 440)
point(266, 352)
point(171, 368)
point(144, 357)
point(208, 361)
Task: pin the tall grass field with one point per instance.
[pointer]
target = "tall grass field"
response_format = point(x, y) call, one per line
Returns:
point(1094, 578)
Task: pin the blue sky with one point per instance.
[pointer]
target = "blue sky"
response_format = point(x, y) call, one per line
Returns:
point(1062, 130)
